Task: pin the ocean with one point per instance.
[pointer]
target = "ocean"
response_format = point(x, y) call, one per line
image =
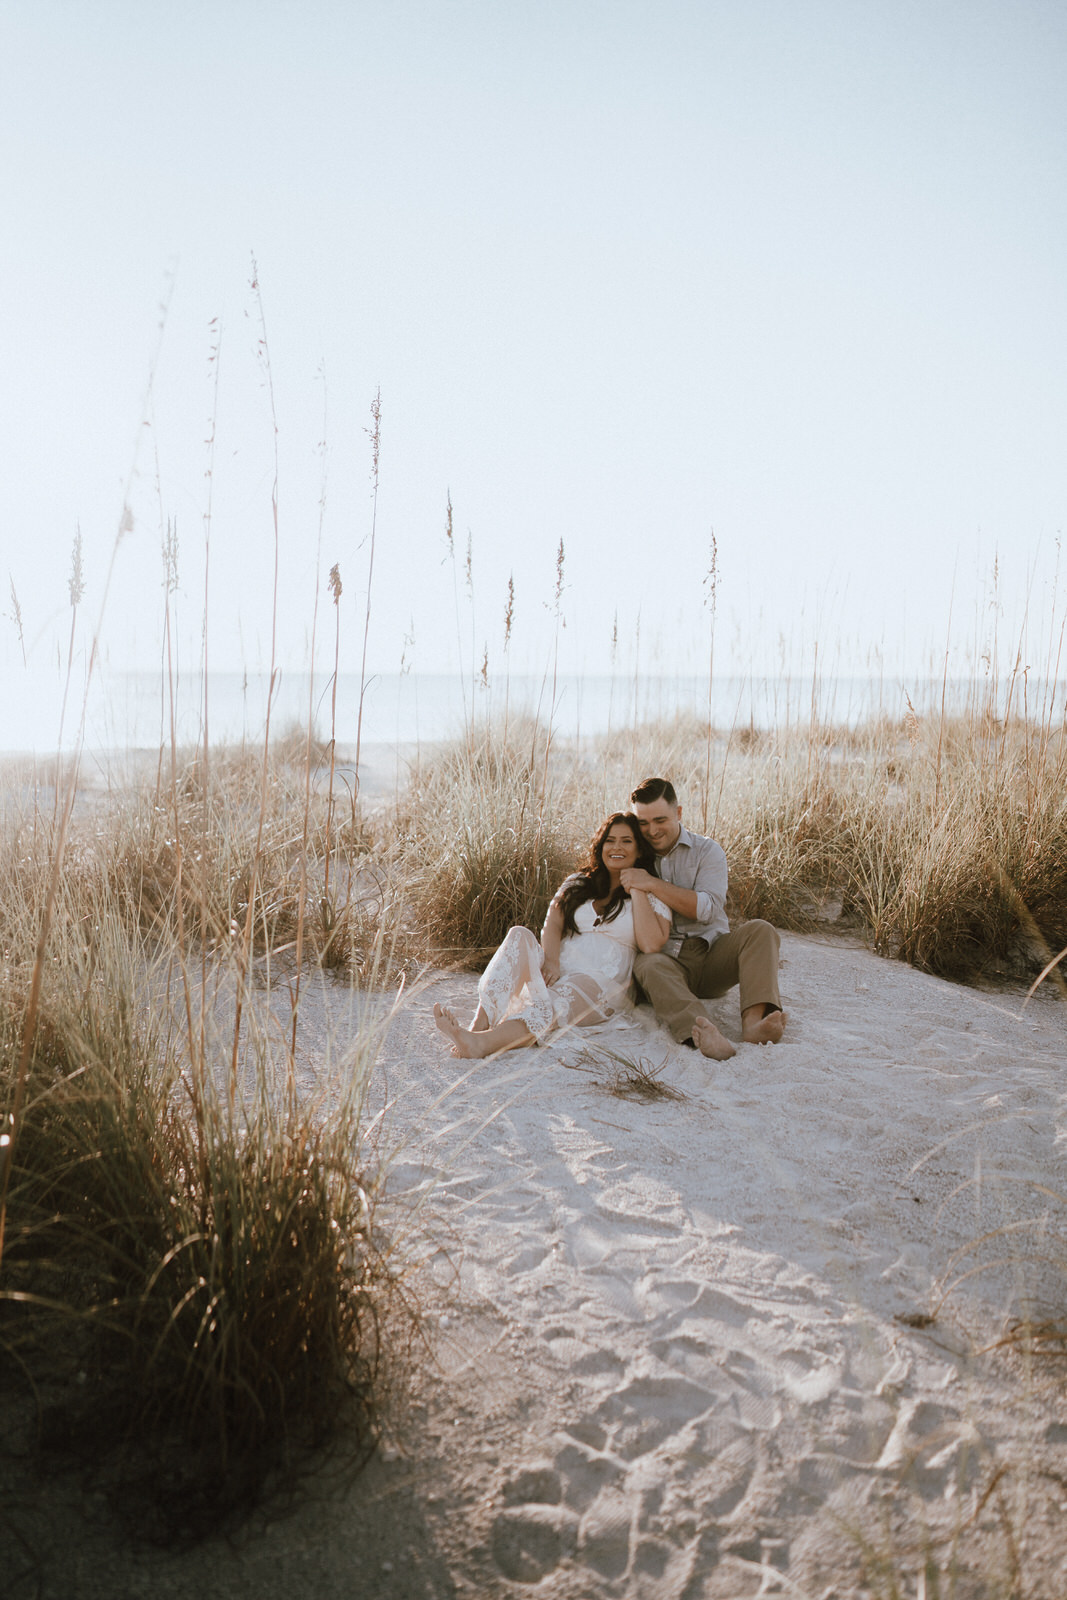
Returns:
point(132, 710)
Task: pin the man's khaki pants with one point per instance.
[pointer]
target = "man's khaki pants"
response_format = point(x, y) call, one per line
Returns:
point(676, 984)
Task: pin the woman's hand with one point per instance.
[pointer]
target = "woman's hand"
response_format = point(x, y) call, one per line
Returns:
point(550, 970)
point(633, 878)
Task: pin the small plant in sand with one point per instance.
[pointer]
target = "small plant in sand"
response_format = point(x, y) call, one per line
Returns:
point(624, 1076)
point(976, 1553)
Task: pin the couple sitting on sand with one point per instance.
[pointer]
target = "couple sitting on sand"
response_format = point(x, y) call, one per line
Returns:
point(648, 904)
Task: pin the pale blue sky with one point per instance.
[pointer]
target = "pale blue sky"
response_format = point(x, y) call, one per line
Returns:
point(624, 272)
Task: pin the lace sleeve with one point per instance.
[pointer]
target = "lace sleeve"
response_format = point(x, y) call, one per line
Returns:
point(660, 909)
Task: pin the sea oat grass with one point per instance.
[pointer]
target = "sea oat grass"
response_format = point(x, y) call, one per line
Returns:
point(205, 1251)
point(944, 841)
point(485, 836)
point(203, 835)
point(619, 1073)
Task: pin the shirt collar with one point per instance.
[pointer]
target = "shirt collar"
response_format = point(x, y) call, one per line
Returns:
point(684, 837)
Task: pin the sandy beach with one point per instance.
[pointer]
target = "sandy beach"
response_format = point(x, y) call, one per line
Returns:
point(745, 1341)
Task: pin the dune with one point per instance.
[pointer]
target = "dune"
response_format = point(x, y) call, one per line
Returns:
point(760, 1337)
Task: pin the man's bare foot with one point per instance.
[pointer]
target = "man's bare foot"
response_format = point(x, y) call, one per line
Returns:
point(710, 1042)
point(767, 1030)
point(464, 1043)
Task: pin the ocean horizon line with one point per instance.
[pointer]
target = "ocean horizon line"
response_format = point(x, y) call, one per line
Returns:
point(134, 709)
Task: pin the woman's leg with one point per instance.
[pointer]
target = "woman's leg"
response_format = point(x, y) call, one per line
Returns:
point(586, 1002)
point(474, 1044)
point(516, 965)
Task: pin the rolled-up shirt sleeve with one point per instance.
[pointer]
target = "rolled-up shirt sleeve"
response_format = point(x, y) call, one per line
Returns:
point(699, 864)
point(710, 884)
point(705, 906)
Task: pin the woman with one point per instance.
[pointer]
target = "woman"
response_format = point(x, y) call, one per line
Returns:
point(580, 972)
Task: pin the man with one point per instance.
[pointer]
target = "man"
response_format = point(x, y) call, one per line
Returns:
point(702, 959)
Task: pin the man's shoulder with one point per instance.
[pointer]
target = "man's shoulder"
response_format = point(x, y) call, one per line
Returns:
point(699, 841)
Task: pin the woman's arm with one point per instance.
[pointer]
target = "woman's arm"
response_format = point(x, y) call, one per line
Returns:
point(650, 929)
point(551, 937)
point(684, 901)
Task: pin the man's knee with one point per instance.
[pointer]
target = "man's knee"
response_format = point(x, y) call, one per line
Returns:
point(653, 963)
point(761, 935)
point(660, 978)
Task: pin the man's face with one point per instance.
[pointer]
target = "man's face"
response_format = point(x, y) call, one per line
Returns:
point(660, 824)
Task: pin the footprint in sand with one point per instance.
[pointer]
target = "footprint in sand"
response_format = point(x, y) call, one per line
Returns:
point(538, 1482)
point(687, 1299)
point(527, 1260)
point(535, 1531)
point(604, 1533)
point(587, 1469)
point(528, 1542)
point(931, 1447)
point(597, 1364)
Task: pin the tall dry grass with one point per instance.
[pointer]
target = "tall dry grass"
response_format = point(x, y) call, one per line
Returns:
point(942, 841)
point(481, 840)
point(179, 1220)
point(215, 851)
point(205, 1253)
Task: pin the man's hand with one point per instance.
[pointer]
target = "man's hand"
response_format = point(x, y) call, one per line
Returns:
point(633, 878)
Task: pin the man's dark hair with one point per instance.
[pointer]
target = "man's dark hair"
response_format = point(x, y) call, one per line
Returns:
point(650, 789)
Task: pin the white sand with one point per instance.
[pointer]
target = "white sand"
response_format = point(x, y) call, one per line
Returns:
point(719, 1294)
point(680, 1346)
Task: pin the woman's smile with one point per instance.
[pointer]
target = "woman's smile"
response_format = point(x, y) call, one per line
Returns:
point(620, 848)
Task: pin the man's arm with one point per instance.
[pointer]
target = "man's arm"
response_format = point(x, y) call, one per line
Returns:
point(684, 901)
point(704, 903)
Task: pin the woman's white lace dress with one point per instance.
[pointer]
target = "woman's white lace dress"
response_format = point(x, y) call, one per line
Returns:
point(596, 967)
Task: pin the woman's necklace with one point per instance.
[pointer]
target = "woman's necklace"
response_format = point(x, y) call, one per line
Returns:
point(606, 903)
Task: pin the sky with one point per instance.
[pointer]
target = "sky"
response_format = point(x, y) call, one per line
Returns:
point(754, 307)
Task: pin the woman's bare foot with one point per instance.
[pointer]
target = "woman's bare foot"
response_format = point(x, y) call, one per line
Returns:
point(764, 1030)
point(465, 1043)
point(710, 1042)
point(479, 1022)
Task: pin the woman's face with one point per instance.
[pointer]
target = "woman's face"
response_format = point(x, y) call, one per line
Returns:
point(620, 848)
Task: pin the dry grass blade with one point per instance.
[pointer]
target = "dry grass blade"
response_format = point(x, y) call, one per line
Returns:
point(1036, 1336)
point(1049, 967)
point(627, 1077)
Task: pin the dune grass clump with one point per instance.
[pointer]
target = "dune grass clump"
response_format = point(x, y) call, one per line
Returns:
point(190, 1249)
point(485, 836)
point(942, 840)
point(960, 865)
point(185, 854)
